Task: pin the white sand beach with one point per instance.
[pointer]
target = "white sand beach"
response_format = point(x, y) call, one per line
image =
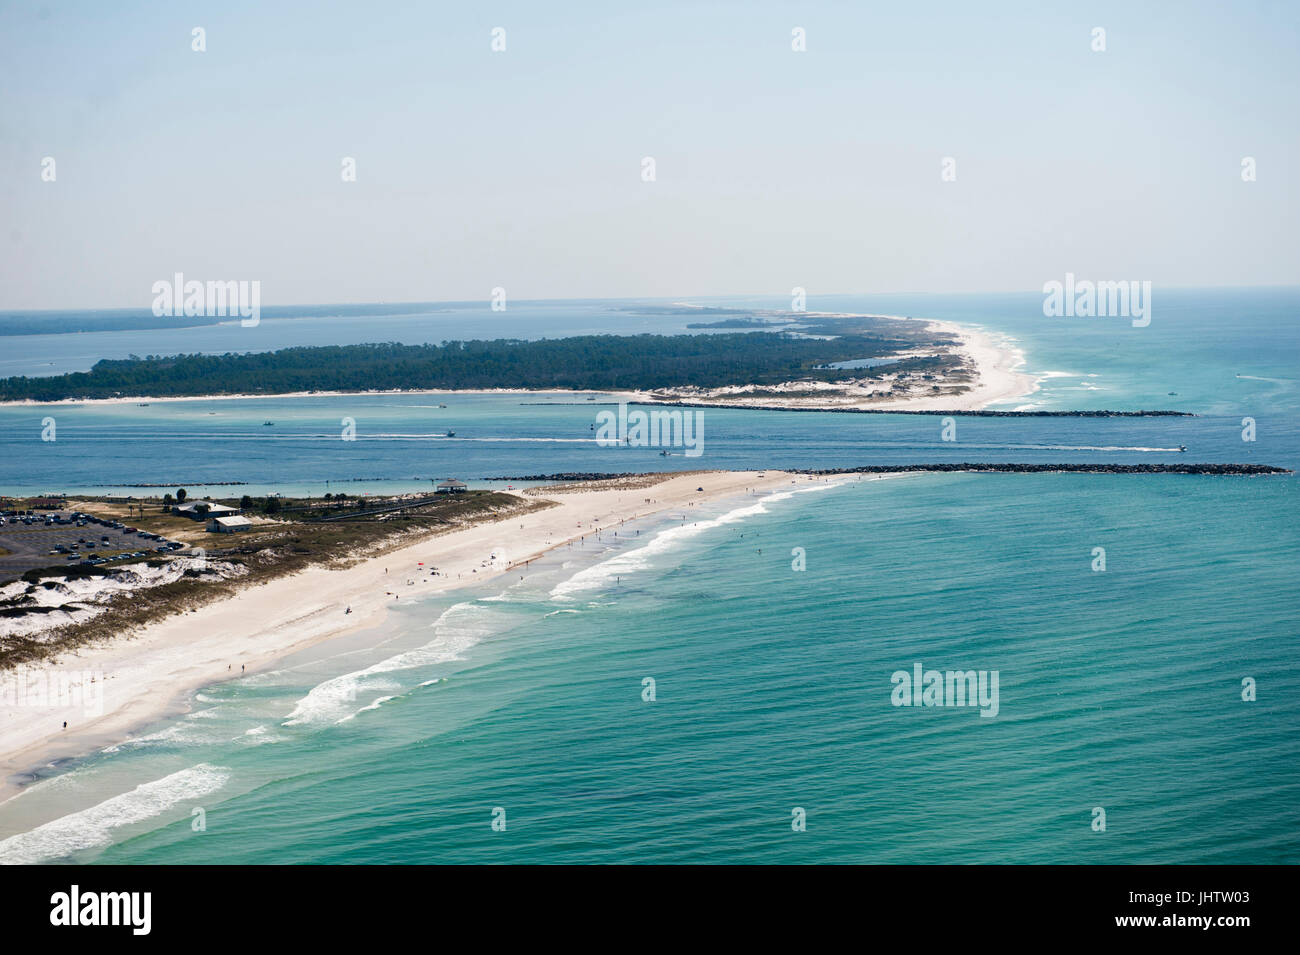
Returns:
point(993, 370)
point(998, 368)
point(995, 367)
point(150, 674)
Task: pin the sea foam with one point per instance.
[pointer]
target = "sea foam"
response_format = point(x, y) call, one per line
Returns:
point(94, 827)
point(628, 562)
point(459, 627)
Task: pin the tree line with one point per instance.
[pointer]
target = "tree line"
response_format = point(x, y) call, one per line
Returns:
point(589, 362)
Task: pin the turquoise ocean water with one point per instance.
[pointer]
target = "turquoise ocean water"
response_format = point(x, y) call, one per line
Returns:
point(525, 699)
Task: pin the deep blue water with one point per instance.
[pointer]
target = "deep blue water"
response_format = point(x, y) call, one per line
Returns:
point(401, 442)
point(1227, 356)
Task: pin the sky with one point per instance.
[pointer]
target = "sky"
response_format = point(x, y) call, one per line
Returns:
point(523, 169)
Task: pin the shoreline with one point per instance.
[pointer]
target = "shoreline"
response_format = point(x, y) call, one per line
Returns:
point(997, 368)
point(151, 675)
point(996, 365)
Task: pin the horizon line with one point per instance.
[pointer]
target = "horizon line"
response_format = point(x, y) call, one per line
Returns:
point(640, 298)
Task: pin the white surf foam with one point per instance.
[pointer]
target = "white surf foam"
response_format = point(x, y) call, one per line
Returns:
point(459, 627)
point(373, 706)
point(94, 826)
point(259, 735)
point(628, 562)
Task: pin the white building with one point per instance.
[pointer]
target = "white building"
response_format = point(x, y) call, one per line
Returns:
point(229, 525)
point(191, 509)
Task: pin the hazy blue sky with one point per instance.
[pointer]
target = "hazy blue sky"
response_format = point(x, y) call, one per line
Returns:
point(522, 169)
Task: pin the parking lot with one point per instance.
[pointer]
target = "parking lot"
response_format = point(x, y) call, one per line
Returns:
point(33, 545)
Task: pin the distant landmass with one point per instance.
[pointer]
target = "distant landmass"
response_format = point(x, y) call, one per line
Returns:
point(589, 362)
point(66, 322)
point(104, 320)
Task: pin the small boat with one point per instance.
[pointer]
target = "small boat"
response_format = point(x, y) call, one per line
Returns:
point(1182, 447)
point(442, 406)
point(451, 434)
point(267, 424)
point(663, 454)
point(144, 404)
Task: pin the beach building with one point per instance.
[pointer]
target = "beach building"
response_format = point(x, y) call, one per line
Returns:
point(198, 510)
point(229, 525)
point(452, 486)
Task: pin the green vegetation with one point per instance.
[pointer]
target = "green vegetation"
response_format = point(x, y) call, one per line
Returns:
point(309, 532)
point(591, 362)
